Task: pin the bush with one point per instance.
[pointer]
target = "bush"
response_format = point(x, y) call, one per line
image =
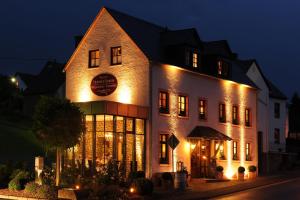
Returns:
point(69, 177)
point(252, 168)
point(19, 179)
point(167, 176)
point(31, 188)
point(47, 192)
point(219, 169)
point(143, 186)
point(48, 176)
point(241, 169)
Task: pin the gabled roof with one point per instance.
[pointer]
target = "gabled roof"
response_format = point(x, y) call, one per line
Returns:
point(238, 75)
point(48, 80)
point(26, 78)
point(145, 34)
point(184, 36)
point(274, 92)
point(220, 47)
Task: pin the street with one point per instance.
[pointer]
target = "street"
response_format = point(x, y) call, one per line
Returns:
point(289, 189)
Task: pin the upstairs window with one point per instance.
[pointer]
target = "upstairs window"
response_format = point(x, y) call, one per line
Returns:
point(116, 56)
point(235, 115)
point(248, 156)
point(276, 136)
point(195, 60)
point(182, 105)
point(94, 58)
point(163, 149)
point(222, 113)
point(202, 109)
point(223, 68)
point(247, 117)
point(164, 102)
point(235, 151)
point(277, 110)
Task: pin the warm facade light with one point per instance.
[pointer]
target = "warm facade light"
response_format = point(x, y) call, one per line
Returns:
point(124, 94)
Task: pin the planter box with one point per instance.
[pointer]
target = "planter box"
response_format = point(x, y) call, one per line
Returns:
point(219, 175)
point(180, 181)
point(241, 176)
point(252, 175)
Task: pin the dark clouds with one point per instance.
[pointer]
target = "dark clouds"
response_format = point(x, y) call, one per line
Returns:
point(266, 30)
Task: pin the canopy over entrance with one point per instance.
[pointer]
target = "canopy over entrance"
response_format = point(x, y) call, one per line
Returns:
point(205, 132)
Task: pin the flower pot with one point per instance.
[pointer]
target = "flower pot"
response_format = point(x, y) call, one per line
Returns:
point(180, 181)
point(252, 175)
point(241, 176)
point(219, 175)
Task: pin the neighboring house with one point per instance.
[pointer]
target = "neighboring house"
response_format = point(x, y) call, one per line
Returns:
point(140, 84)
point(272, 117)
point(50, 82)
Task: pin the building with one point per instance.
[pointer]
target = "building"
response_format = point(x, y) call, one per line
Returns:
point(140, 85)
point(49, 82)
point(272, 118)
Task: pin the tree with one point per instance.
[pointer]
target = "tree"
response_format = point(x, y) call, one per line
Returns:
point(58, 124)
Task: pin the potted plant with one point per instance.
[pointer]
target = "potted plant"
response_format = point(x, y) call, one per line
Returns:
point(252, 171)
point(241, 173)
point(167, 180)
point(219, 172)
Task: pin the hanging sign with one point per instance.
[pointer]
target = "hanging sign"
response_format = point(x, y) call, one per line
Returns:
point(104, 84)
point(173, 141)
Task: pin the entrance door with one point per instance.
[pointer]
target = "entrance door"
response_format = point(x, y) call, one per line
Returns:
point(200, 159)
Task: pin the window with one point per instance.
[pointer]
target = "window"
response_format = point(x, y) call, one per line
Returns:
point(247, 117)
point(222, 113)
point(219, 148)
point(248, 157)
point(94, 58)
point(276, 136)
point(235, 115)
point(182, 105)
point(235, 153)
point(195, 60)
point(116, 56)
point(223, 68)
point(163, 153)
point(187, 57)
point(277, 110)
point(164, 102)
point(202, 109)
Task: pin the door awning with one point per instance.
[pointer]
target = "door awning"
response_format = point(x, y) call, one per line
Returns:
point(205, 132)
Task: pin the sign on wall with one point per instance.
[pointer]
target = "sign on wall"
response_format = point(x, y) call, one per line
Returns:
point(104, 84)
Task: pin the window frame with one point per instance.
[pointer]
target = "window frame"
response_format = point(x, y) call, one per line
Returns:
point(119, 62)
point(204, 115)
point(222, 119)
point(235, 121)
point(222, 68)
point(235, 150)
point(165, 110)
point(195, 59)
point(248, 151)
point(249, 122)
point(185, 105)
point(164, 160)
point(90, 58)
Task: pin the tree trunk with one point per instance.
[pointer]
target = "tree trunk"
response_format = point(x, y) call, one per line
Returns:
point(58, 164)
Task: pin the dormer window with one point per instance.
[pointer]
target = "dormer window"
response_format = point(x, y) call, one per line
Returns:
point(223, 68)
point(195, 60)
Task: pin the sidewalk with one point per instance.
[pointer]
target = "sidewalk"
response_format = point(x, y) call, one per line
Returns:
point(198, 190)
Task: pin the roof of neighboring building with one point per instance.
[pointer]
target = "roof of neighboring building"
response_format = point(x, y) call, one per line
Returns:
point(207, 133)
point(48, 80)
point(26, 78)
point(238, 75)
point(274, 92)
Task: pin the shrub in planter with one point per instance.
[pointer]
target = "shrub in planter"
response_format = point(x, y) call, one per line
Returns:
point(252, 168)
point(143, 186)
point(47, 192)
point(219, 174)
point(252, 171)
point(241, 171)
point(167, 180)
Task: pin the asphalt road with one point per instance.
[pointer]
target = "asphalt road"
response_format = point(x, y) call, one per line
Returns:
point(286, 190)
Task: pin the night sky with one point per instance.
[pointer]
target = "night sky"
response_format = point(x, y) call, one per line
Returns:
point(33, 31)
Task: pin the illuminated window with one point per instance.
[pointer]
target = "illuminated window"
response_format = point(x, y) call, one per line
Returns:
point(235, 152)
point(277, 110)
point(164, 102)
point(219, 148)
point(202, 109)
point(195, 60)
point(247, 117)
point(235, 115)
point(248, 156)
point(222, 113)
point(223, 68)
point(163, 150)
point(116, 56)
point(276, 136)
point(182, 105)
point(94, 58)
